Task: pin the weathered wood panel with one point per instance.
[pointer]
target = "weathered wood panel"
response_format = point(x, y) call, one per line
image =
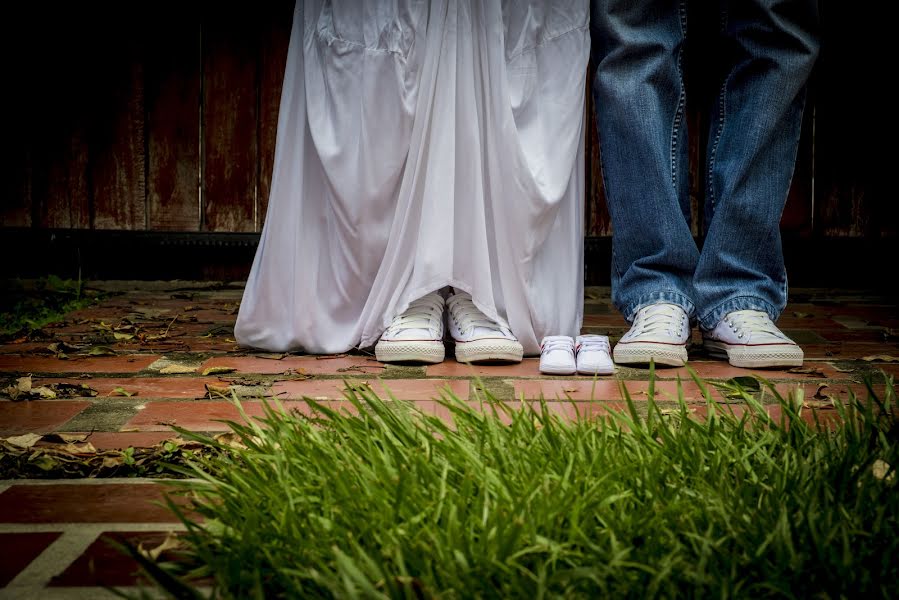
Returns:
point(596, 217)
point(853, 151)
point(172, 91)
point(116, 119)
point(164, 117)
point(230, 125)
point(277, 18)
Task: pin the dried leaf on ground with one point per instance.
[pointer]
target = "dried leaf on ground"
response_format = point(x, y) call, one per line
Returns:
point(119, 391)
point(880, 469)
point(230, 439)
point(176, 369)
point(842, 370)
point(57, 460)
point(819, 403)
point(26, 440)
point(123, 336)
point(149, 312)
point(24, 390)
point(881, 358)
point(819, 393)
point(218, 370)
point(808, 371)
point(270, 356)
point(20, 390)
point(72, 390)
point(218, 390)
point(60, 349)
point(171, 542)
point(101, 351)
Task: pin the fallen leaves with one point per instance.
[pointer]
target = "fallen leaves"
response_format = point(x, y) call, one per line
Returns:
point(177, 369)
point(101, 351)
point(60, 456)
point(171, 542)
point(881, 358)
point(218, 370)
point(814, 371)
point(819, 393)
point(214, 390)
point(882, 470)
point(26, 440)
point(24, 389)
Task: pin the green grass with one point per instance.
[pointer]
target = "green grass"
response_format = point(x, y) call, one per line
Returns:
point(395, 504)
point(26, 306)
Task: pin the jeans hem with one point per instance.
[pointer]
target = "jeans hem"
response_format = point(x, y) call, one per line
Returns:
point(711, 318)
point(665, 297)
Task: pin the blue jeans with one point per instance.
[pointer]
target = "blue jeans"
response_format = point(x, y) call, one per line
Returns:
point(640, 101)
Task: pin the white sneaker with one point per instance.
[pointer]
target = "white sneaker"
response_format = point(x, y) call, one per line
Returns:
point(660, 333)
point(748, 338)
point(479, 338)
point(416, 334)
point(557, 355)
point(593, 355)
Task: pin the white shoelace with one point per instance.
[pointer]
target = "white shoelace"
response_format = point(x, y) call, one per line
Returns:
point(468, 316)
point(594, 345)
point(746, 323)
point(424, 313)
point(556, 343)
point(660, 318)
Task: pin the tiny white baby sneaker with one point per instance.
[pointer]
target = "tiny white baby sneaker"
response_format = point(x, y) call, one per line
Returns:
point(594, 355)
point(557, 355)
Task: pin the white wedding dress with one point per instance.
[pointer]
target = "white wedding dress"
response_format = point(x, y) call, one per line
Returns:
point(423, 144)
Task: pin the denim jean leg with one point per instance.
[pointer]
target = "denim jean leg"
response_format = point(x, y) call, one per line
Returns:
point(771, 46)
point(639, 94)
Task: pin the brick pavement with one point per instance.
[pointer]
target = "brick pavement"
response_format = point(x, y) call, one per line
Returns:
point(151, 356)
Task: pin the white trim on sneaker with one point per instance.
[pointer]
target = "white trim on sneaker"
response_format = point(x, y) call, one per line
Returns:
point(659, 333)
point(749, 339)
point(479, 338)
point(557, 355)
point(594, 355)
point(416, 335)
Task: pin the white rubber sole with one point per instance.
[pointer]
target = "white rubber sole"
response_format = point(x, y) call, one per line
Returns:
point(757, 357)
point(637, 353)
point(597, 371)
point(425, 351)
point(557, 370)
point(489, 350)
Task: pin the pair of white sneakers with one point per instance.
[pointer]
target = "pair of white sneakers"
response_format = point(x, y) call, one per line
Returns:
point(587, 355)
point(417, 334)
point(747, 338)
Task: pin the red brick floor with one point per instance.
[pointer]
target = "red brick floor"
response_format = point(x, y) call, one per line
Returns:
point(175, 362)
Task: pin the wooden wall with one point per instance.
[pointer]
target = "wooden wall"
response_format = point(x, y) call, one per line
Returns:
point(162, 117)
